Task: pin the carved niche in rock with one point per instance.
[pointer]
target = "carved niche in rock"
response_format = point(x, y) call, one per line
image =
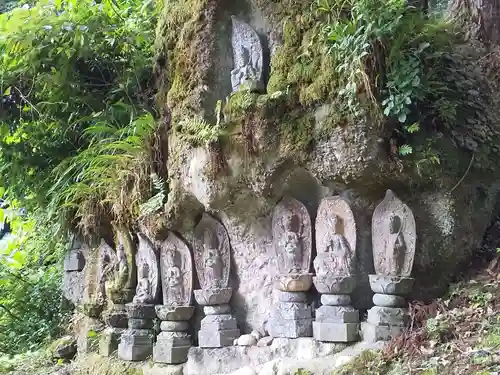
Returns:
point(148, 281)
point(212, 253)
point(335, 238)
point(292, 236)
point(248, 57)
point(394, 237)
point(176, 272)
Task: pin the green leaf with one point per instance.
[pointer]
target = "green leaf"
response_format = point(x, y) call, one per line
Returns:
point(405, 150)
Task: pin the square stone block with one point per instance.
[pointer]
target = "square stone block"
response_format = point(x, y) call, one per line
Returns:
point(74, 261)
point(374, 333)
point(171, 338)
point(109, 340)
point(295, 310)
point(135, 345)
point(291, 329)
point(209, 338)
point(219, 322)
point(378, 315)
point(163, 353)
point(336, 332)
point(337, 314)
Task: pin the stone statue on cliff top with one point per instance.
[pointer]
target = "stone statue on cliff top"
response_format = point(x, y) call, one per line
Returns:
point(248, 57)
point(293, 243)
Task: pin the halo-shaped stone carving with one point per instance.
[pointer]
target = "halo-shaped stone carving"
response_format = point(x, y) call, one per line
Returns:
point(176, 270)
point(292, 236)
point(147, 266)
point(212, 253)
point(335, 238)
point(394, 237)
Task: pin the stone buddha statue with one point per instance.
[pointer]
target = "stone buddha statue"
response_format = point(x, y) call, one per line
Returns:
point(240, 74)
point(212, 261)
point(143, 290)
point(173, 275)
point(292, 244)
point(395, 247)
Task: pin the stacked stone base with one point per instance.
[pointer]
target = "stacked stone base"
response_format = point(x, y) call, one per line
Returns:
point(116, 319)
point(336, 323)
point(385, 323)
point(217, 330)
point(292, 318)
point(136, 343)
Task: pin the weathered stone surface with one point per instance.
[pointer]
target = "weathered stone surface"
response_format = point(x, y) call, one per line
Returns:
point(174, 313)
point(265, 341)
point(162, 369)
point(164, 352)
point(335, 238)
point(337, 314)
point(290, 328)
point(295, 310)
point(388, 316)
point(394, 237)
point(246, 340)
point(89, 335)
point(174, 339)
point(395, 285)
point(211, 338)
point(73, 286)
point(176, 271)
point(335, 299)
point(292, 237)
point(389, 300)
point(329, 284)
point(217, 309)
point(218, 322)
point(373, 333)
point(209, 297)
point(248, 58)
point(139, 311)
point(134, 323)
point(294, 282)
point(171, 326)
point(336, 332)
point(134, 346)
point(116, 316)
point(212, 254)
point(148, 280)
point(65, 348)
point(74, 261)
point(292, 296)
point(109, 340)
point(256, 334)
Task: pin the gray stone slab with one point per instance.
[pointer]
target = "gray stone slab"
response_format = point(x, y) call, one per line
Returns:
point(165, 353)
point(109, 340)
point(336, 332)
point(389, 300)
point(217, 309)
point(219, 322)
point(374, 333)
point(335, 299)
point(140, 323)
point(217, 338)
point(169, 339)
point(292, 296)
point(295, 310)
point(135, 347)
point(378, 315)
point(140, 311)
point(337, 314)
point(290, 328)
point(170, 326)
point(74, 261)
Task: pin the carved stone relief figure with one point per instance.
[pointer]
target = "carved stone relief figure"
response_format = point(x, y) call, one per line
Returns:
point(176, 270)
point(394, 237)
point(292, 236)
point(247, 56)
point(147, 290)
point(212, 253)
point(335, 238)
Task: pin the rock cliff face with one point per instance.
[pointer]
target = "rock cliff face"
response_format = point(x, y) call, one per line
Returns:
point(258, 147)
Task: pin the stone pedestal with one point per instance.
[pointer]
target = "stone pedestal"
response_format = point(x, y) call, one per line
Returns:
point(389, 317)
point(218, 328)
point(173, 342)
point(116, 321)
point(336, 320)
point(136, 343)
point(292, 317)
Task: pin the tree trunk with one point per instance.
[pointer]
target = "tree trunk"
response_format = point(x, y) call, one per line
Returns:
point(482, 18)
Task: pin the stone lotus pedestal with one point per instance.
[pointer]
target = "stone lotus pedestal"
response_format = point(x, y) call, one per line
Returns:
point(336, 320)
point(136, 343)
point(218, 328)
point(173, 342)
point(389, 317)
point(292, 317)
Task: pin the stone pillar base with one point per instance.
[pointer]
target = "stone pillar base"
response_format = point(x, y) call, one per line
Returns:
point(135, 345)
point(292, 318)
point(108, 343)
point(217, 338)
point(336, 332)
point(291, 329)
point(374, 333)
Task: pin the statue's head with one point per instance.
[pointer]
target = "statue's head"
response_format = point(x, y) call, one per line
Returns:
point(394, 224)
point(144, 271)
point(170, 257)
point(210, 240)
point(120, 249)
point(292, 223)
point(245, 55)
point(337, 224)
